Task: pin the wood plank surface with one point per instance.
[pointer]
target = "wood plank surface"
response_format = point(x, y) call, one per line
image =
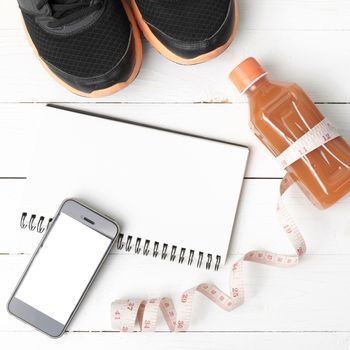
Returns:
point(303, 41)
point(193, 341)
point(228, 122)
point(163, 81)
point(311, 297)
point(256, 225)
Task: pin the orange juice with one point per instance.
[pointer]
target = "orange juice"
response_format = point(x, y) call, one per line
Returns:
point(280, 113)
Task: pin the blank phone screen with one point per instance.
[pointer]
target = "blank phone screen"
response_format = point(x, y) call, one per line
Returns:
point(63, 268)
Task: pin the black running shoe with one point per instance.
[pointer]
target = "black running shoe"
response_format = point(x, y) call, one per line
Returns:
point(92, 47)
point(188, 31)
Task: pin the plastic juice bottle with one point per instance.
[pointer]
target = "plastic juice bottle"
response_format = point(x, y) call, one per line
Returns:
point(280, 113)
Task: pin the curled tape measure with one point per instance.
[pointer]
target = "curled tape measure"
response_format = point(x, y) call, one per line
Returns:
point(135, 314)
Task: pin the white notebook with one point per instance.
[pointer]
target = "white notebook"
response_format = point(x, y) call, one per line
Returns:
point(174, 195)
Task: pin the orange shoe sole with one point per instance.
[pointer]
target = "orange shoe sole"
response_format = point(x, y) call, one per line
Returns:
point(169, 54)
point(114, 88)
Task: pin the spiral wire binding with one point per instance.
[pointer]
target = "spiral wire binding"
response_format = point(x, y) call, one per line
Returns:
point(166, 251)
point(139, 248)
point(39, 227)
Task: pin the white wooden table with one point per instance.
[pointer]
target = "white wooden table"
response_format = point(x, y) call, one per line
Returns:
point(306, 41)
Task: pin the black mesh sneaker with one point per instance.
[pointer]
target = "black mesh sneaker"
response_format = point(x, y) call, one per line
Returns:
point(188, 31)
point(92, 47)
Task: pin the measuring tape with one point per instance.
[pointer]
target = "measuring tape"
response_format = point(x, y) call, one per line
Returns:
point(320, 134)
point(142, 315)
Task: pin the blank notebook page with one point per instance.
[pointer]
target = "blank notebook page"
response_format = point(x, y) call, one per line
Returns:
point(158, 185)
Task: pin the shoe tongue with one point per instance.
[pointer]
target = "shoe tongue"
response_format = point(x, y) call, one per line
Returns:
point(69, 5)
point(72, 9)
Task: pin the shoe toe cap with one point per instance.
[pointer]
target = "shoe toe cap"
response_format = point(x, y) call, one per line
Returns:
point(119, 73)
point(188, 34)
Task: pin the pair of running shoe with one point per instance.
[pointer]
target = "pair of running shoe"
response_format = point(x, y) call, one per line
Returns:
point(93, 47)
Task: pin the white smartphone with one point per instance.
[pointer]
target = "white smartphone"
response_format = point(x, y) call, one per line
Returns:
point(63, 267)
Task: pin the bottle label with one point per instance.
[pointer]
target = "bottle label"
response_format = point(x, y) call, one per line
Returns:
point(319, 135)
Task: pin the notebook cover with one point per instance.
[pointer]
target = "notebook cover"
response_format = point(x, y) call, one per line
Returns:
point(163, 186)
